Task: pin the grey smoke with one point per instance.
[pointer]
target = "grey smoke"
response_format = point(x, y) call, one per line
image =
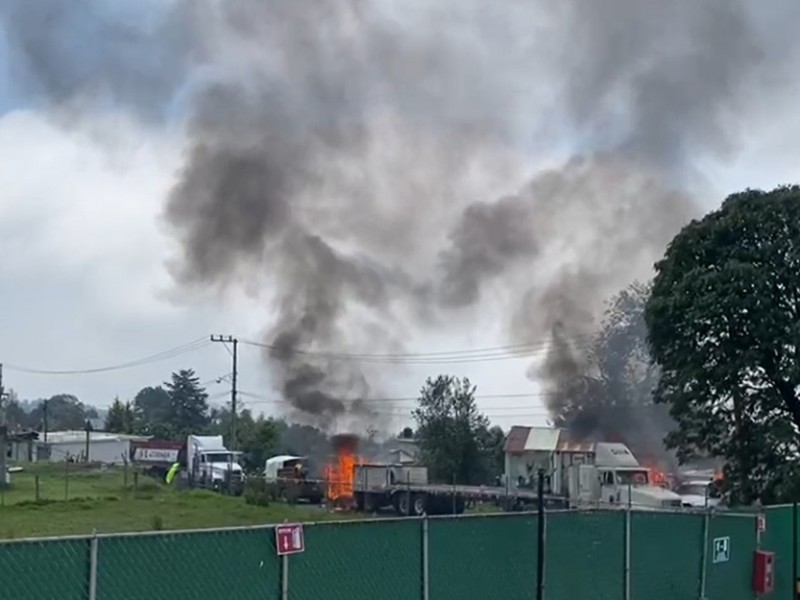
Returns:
point(363, 164)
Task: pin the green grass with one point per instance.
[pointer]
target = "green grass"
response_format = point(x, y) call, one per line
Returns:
point(86, 500)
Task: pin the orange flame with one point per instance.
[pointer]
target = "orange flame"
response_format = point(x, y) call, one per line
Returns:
point(657, 477)
point(340, 477)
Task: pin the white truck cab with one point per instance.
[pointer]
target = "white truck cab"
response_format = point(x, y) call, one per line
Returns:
point(210, 464)
point(624, 481)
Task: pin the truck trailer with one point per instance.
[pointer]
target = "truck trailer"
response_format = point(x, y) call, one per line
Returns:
point(405, 488)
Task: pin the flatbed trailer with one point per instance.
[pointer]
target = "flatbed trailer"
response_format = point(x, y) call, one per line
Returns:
point(376, 487)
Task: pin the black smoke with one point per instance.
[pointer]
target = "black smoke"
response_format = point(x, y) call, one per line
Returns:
point(367, 166)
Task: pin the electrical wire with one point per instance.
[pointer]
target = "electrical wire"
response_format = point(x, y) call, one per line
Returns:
point(432, 358)
point(153, 358)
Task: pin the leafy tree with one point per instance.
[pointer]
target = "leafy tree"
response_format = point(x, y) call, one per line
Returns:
point(724, 323)
point(615, 401)
point(188, 403)
point(120, 417)
point(451, 431)
point(255, 438)
point(493, 440)
point(64, 412)
point(16, 416)
point(407, 433)
point(151, 409)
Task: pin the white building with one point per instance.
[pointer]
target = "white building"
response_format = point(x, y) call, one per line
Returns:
point(528, 449)
point(109, 448)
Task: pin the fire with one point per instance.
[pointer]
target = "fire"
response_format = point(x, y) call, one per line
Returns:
point(658, 477)
point(340, 472)
point(339, 476)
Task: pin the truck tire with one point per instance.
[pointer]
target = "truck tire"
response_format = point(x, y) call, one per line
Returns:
point(401, 504)
point(419, 505)
point(370, 503)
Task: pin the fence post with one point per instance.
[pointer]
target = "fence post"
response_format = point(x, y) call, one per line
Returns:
point(93, 567)
point(704, 555)
point(626, 581)
point(285, 577)
point(540, 564)
point(426, 581)
point(794, 551)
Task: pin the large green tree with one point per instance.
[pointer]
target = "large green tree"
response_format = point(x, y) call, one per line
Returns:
point(120, 417)
point(256, 438)
point(724, 326)
point(611, 396)
point(452, 434)
point(188, 403)
point(151, 409)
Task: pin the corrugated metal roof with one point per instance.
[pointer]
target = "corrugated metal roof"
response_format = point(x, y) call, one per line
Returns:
point(543, 439)
point(515, 440)
point(531, 439)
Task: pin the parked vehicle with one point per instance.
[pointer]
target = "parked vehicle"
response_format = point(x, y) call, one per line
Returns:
point(209, 464)
point(290, 475)
point(155, 457)
point(406, 489)
point(699, 493)
point(582, 473)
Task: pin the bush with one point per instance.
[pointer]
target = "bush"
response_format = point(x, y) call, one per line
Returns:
point(256, 491)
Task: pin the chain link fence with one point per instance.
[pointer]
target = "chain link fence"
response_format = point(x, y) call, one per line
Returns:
point(591, 544)
point(45, 569)
point(625, 555)
point(482, 557)
point(346, 561)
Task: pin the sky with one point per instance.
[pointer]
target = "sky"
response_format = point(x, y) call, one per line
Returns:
point(85, 281)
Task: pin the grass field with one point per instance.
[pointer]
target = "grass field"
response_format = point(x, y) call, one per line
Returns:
point(80, 501)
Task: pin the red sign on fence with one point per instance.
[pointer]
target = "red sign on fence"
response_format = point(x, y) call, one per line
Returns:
point(289, 539)
point(761, 523)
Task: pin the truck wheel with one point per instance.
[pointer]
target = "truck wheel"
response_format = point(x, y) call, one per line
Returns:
point(460, 506)
point(419, 506)
point(401, 504)
point(370, 503)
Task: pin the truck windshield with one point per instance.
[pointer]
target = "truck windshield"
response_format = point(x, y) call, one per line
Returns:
point(220, 457)
point(632, 478)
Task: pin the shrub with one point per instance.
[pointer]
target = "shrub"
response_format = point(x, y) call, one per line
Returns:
point(256, 491)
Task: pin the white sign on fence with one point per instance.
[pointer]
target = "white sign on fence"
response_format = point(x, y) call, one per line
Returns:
point(722, 549)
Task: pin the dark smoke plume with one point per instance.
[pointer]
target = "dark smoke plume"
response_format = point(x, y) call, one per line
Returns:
point(366, 164)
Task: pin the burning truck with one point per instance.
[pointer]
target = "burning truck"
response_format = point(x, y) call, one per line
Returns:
point(352, 483)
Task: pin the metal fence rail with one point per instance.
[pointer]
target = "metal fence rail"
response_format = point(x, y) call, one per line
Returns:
point(603, 555)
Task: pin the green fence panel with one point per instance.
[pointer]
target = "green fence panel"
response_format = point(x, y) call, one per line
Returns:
point(45, 570)
point(585, 556)
point(666, 555)
point(483, 557)
point(359, 561)
point(731, 544)
point(211, 565)
point(778, 539)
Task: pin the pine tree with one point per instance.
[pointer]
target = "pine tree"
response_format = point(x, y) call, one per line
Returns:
point(188, 403)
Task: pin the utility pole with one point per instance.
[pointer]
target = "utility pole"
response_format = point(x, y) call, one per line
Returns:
point(44, 419)
point(231, 340)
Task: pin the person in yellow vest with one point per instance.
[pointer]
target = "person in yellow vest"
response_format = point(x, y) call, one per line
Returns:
point(172, 473)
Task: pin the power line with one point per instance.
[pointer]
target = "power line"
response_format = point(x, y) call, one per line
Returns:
point(261, 399)
point(153, 358)
point(431, 358)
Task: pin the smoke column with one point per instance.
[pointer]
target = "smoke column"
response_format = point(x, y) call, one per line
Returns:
point(367, 167)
